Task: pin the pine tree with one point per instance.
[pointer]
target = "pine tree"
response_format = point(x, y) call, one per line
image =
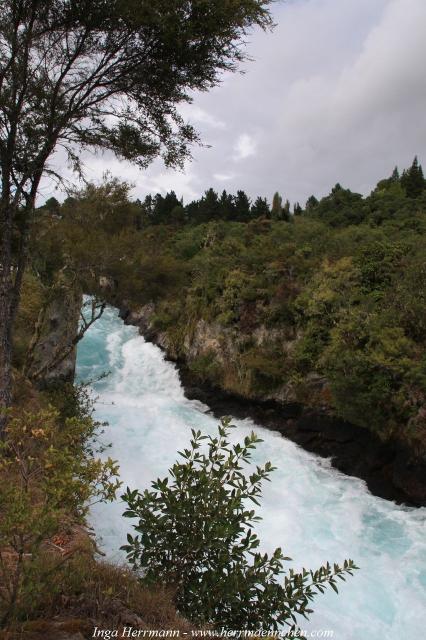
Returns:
point(395, 175)
point(177, 215)
point(242, 206)
point(311, 203)
point(209, 206)
point(226, 203)
point(413, 180)
point(260, 208)
point(163, 206)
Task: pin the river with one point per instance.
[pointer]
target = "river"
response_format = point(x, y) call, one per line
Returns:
point(309, 509)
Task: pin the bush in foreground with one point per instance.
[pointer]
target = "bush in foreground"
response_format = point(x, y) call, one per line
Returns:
point(49, 476)
point(195, 532)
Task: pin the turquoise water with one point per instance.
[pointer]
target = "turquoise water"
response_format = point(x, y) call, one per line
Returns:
point(312, 511)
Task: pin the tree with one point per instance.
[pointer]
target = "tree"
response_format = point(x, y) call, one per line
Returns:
point(163, 206)
point(277, 206)
point(177, 215)
point(395, 175)
point(311, 203)
point(388, 183)
point(209, 207)
point(195, 533)
point(52, 205)
point(227, 206)
point(341, 207)
point(241, 206)
point(260, 208)
point(286, 211)
point(413, 180)
point(99, 75)
point(147, 208)
point(192, 211)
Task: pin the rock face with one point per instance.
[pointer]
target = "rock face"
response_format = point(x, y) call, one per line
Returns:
point(56, 332)
point(221, 346)
point(391, 469)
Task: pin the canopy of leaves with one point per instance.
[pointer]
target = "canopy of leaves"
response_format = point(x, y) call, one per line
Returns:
point(109, 75)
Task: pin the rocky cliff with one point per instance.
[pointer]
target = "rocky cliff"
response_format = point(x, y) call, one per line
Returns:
point(52, 355)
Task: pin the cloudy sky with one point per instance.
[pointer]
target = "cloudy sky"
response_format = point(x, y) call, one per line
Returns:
point(336, 93)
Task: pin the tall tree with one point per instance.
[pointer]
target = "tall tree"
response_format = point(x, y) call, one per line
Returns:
point(163, 206)
point(311, 203)
point(260, 208)
point(286, 210)
point(103, 75)
point(413, 180)
point(297, 209)
point(242, 206)
point(226, 203)
point(209, 207)
point(277, 206)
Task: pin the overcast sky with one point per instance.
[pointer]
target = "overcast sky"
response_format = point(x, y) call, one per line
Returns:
point(336, 93)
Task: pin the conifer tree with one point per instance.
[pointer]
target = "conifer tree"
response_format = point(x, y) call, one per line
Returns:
point(260, 208)
point(395, 175)
point(242, 206)
point(226, 203)
point(286, 210)
point(209, 207)
point(311, 203)
point(413, 180)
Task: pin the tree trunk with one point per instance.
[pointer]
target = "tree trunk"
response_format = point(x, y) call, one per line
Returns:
point(6, 297)
point(11, 274)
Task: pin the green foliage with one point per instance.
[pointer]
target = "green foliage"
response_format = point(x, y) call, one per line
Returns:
point(412, 180)
point(368, 363)
point(206, 368)
point(266, 368)
point(343, 257)
point(32, 299)
point(195, 532)
point(277, 206)
point(49, 476)
point(378, 263)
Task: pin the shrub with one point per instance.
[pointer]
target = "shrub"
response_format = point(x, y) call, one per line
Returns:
point(49, 474)
point(195, 532)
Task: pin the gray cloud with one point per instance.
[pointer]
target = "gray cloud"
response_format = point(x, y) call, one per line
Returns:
point(336, 93)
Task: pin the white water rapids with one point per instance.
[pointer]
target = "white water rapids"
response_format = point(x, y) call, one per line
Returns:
point(314, 512)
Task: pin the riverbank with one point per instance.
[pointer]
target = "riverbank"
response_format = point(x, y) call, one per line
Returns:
point(390, 469)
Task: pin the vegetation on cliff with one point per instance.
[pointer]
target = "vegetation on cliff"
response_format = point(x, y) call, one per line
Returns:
point(334, 293)
point(50, 473)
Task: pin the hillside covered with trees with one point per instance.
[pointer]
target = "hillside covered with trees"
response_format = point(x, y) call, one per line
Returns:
point(324, 304)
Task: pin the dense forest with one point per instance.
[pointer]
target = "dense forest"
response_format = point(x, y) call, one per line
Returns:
point(339, 285)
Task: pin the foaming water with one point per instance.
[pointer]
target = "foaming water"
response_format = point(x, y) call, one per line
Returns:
point(314, 512)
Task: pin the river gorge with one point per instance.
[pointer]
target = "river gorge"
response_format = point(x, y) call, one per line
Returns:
point(313, 511)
